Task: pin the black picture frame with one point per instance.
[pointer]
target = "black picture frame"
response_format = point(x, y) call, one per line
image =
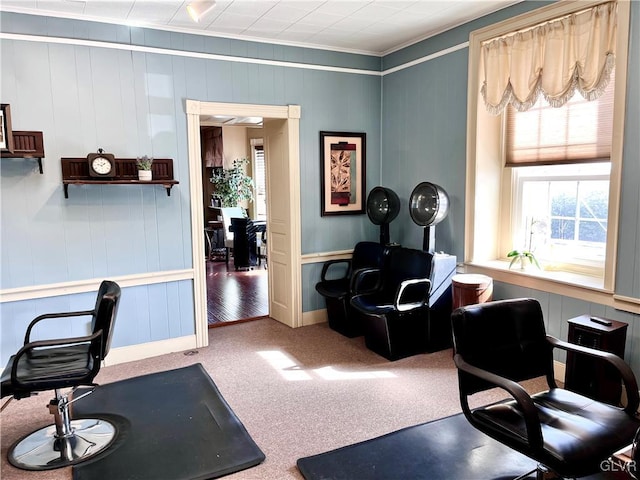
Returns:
point(343, 161)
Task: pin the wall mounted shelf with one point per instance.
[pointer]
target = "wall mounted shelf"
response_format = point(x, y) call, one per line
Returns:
point(75, 171)
point(27, 144)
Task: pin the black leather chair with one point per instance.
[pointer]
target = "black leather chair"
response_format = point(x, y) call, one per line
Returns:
point(443, 268)
point(395, 311)
point(501, 343)
point(336, 289)
point(245, 254)
point(56, 364)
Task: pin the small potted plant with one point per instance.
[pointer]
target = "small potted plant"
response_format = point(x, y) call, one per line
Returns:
point(233, 185)
point(144, 168)
point(522, 256)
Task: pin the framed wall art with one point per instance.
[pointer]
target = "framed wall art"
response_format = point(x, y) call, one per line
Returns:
point(6, 133)
point(342, 174)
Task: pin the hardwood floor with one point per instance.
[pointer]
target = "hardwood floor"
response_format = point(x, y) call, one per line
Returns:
point(234, 296)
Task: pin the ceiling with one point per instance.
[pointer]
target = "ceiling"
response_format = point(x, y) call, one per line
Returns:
point(373, 27)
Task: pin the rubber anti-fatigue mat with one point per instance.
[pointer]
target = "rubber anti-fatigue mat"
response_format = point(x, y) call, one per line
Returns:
point(176, 425)
point(445, 449)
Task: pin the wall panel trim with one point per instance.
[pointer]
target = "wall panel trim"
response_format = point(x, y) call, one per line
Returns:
point(227, 58)
point(183, 53)
point(91, 285)
point(322, 257)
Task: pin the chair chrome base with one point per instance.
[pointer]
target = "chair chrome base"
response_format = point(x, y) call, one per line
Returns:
point(45, 450)
point(542, 473)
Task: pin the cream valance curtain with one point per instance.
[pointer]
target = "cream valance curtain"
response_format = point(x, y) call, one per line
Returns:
point(556, 58)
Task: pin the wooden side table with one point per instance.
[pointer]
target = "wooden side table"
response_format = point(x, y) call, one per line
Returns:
point(594, 377)
point(470, 288)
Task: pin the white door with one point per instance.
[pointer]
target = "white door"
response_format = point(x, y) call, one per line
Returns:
point(283, 232)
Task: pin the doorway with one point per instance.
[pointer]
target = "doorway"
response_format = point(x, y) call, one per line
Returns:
point(237, 281)
point(281, 143)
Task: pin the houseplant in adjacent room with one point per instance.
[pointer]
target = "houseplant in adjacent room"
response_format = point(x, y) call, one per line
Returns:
point(144, 168)
point(233, 185)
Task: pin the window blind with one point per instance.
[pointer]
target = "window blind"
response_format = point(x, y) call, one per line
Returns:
point(260, 175)
point(260, 172)
point(578, 132)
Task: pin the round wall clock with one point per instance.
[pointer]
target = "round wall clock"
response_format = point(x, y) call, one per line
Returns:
point(101, 164)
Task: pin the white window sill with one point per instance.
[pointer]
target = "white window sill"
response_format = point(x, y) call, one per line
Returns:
point(573, 279)
point(584, 287)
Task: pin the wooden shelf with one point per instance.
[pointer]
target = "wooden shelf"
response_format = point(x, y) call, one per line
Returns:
point(75, 171)
point(27, 144)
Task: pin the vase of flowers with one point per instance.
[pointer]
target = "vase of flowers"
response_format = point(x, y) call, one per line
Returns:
point(144, 168)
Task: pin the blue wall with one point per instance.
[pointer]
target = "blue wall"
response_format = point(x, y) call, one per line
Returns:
point(424, 139)
point(132, 103)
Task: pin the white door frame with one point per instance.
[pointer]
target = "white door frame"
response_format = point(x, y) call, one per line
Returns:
point(194, 110)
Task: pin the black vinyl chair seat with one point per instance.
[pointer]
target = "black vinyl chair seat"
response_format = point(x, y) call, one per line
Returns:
point(564, 416)
point(56, 368)
point(369, 305)
point(501, 343)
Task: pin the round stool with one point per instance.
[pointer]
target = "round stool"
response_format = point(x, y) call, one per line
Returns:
point(471, 288)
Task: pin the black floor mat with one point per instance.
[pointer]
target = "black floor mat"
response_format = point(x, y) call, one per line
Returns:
point(177, 426)
point(444, 449)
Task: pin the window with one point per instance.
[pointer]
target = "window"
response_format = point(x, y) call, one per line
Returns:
point(561, 215)
point(568, 209)
point(561, 209)
point(259, 173)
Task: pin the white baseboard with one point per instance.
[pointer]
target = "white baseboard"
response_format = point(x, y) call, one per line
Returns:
point(314, 316)
point(320, 316)
point(141, 351)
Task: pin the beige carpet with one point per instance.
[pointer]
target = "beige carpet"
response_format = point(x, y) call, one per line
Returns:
point(298, 392)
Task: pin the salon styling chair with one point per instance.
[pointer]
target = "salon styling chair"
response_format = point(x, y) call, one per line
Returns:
point(335, 285)
point(395, 311)
point(501, 343)
point(58, 364)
